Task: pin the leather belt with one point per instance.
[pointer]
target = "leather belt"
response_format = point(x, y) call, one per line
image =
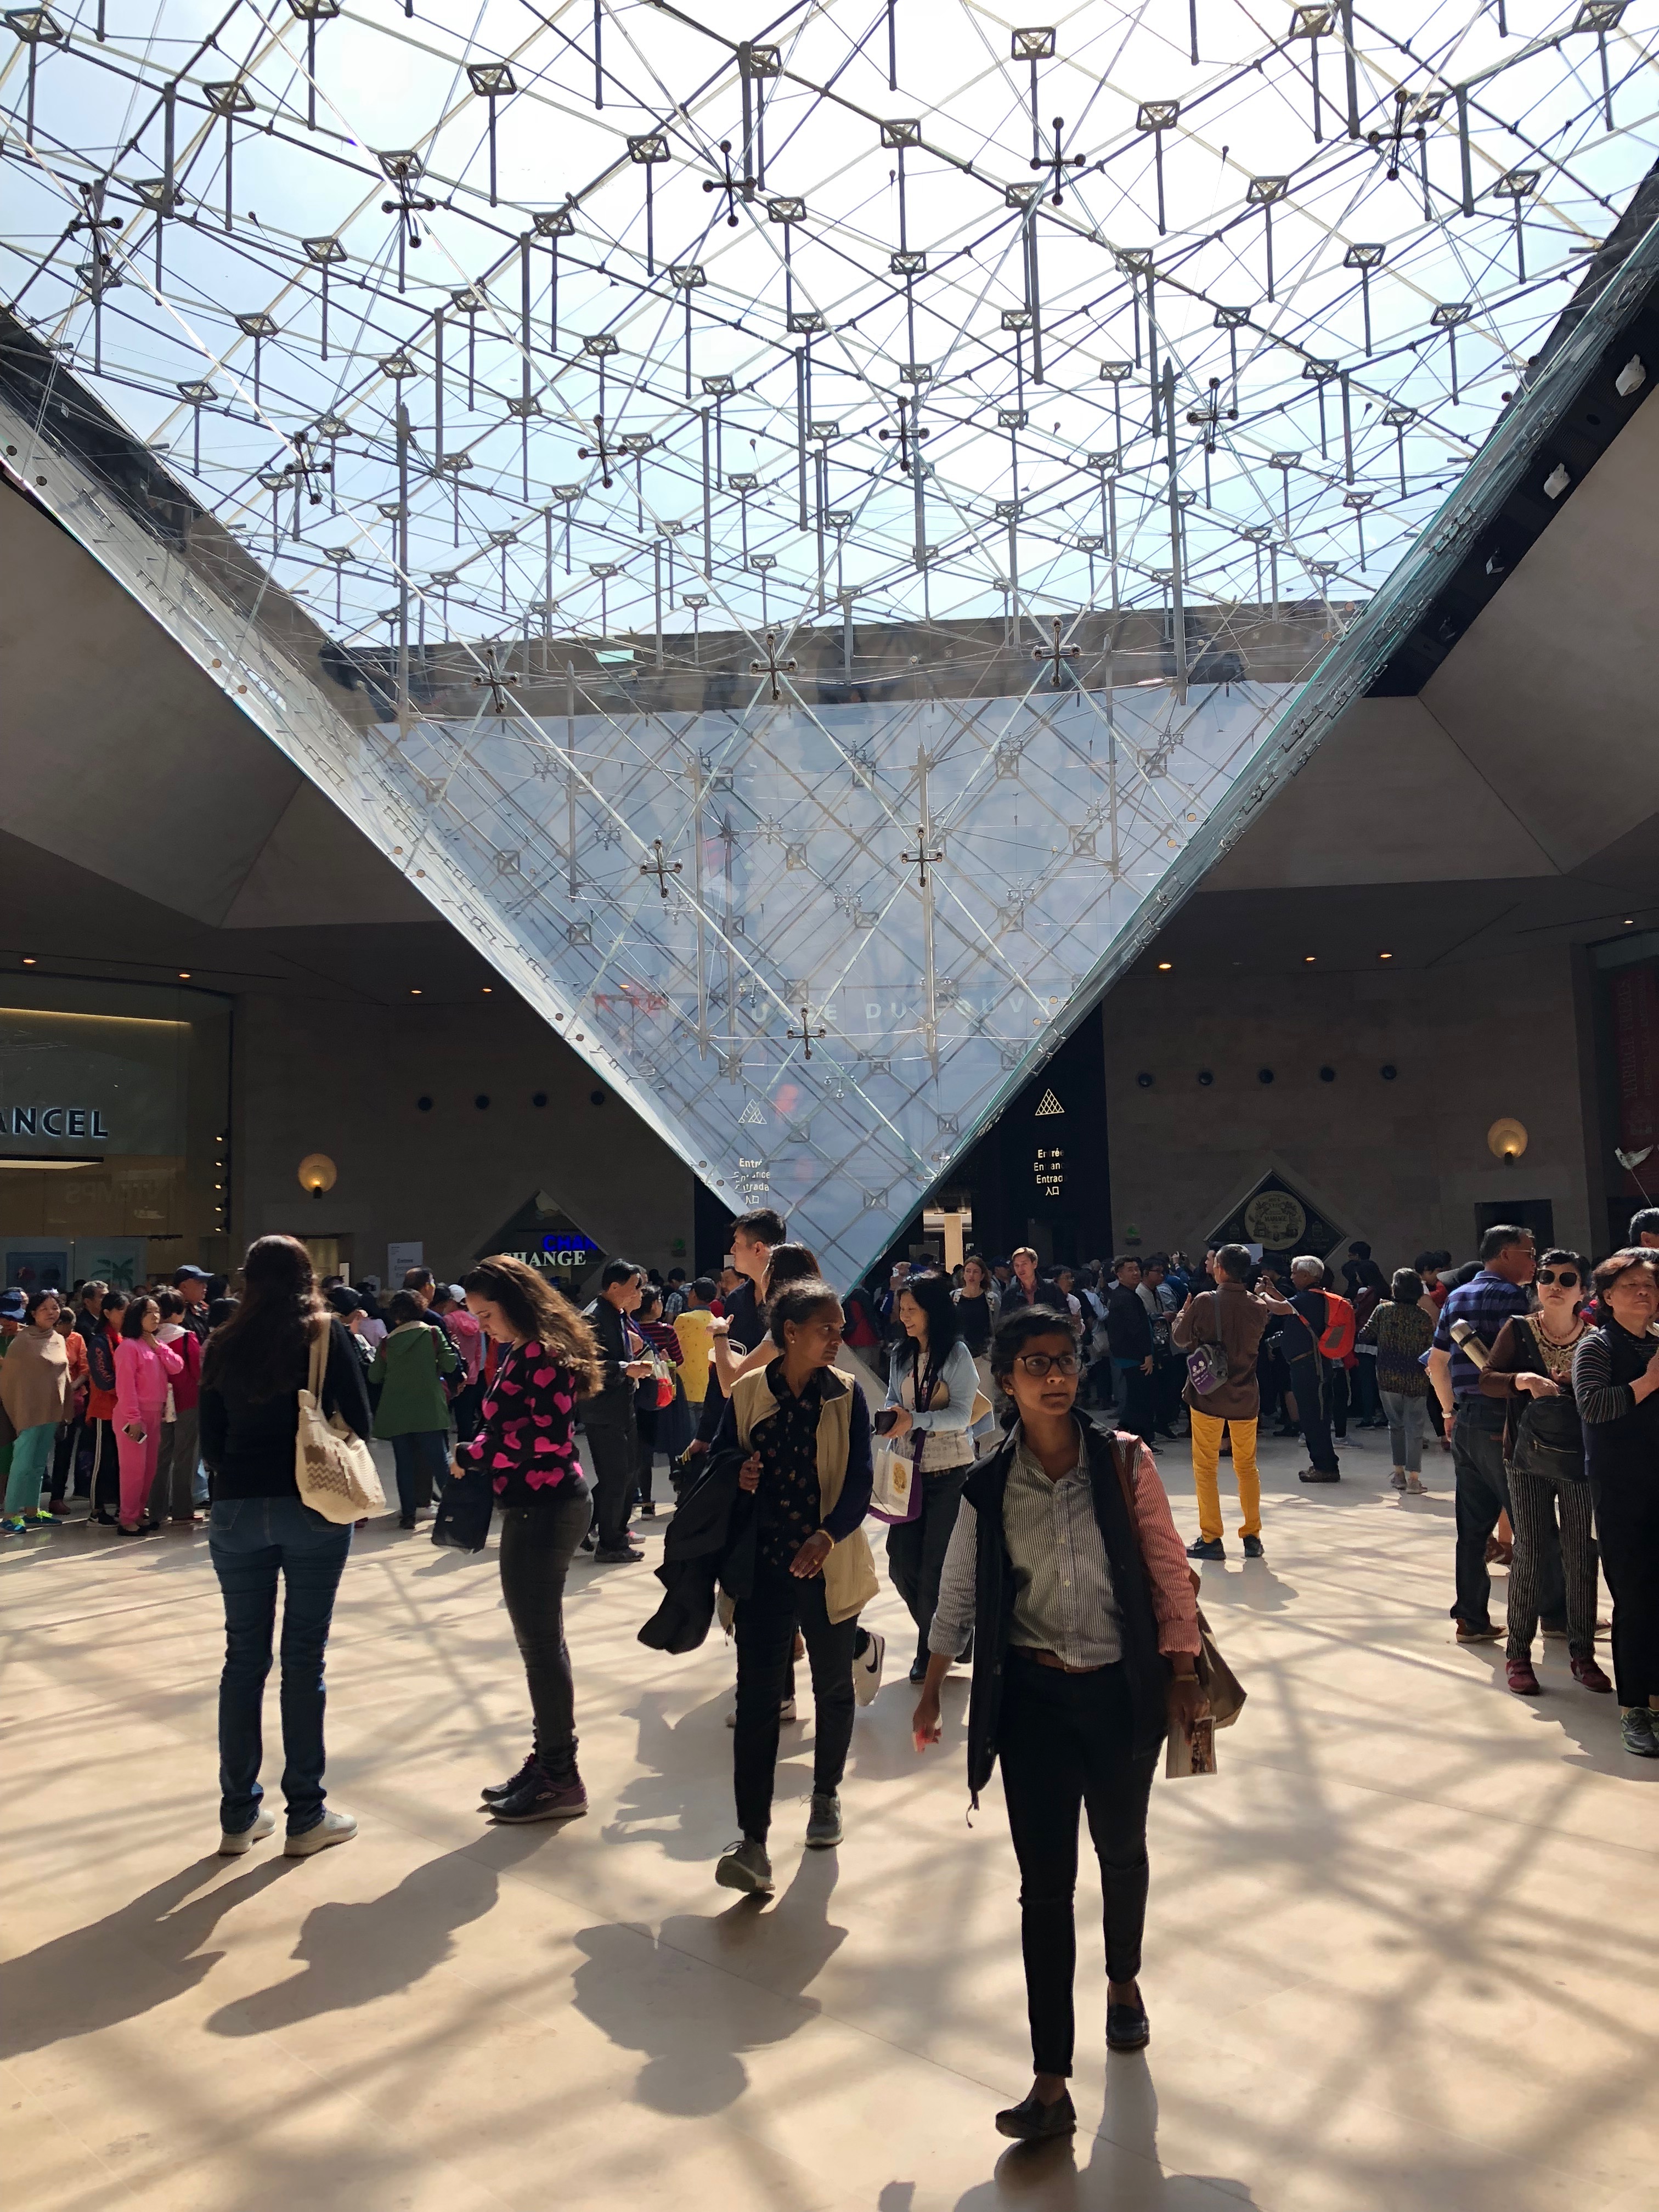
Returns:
point(1050, 1659)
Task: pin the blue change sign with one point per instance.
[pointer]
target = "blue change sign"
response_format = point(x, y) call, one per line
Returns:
point(568, 1253)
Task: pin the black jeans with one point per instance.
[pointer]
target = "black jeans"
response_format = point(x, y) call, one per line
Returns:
point(1482, 1492)
point(1136, 1400)
point(766, 1625)
point(1627, 1524)
point(613, 1452)
point(1306, 1384)
point(1064, 1741)
point(645, 1430)
point(1336, 1397)
point(916, 1549)
point(538, 1545)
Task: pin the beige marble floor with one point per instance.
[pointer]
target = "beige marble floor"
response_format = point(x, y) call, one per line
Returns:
point(1399, 1951)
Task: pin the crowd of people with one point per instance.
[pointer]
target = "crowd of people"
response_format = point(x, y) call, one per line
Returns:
point(1001, 1421)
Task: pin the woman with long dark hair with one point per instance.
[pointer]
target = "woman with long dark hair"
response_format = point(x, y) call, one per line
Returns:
point(547, 1360)
point(931, 1383)
point(259, 1530)
point(144, 1370)
point(1615, 1387)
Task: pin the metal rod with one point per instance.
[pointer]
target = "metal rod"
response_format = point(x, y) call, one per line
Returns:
point(1178, 615)
point(708, 504)
point(1347, 430)
point(801, 434)
point(1463, 149)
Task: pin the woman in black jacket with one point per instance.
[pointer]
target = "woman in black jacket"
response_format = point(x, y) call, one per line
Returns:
point(1615, 1386)
point(253, 1369)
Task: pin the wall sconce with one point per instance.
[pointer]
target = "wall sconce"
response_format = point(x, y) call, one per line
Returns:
point(1506, 1139)
point(317, 1173)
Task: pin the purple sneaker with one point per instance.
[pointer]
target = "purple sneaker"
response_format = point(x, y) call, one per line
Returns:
point(541, 1797)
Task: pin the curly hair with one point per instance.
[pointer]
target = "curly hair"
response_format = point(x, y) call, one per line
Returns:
point(540, 1313)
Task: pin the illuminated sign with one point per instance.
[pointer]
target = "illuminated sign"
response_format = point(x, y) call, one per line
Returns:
point(567, 1254)
point(52, 1121)
point(1049, 1170)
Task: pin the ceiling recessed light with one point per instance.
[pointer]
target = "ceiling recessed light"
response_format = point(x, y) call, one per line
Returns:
point(28, 960)
point(1630, 923)
point(1308, 958)
point(487, 989)
point(1385, 956)
point(1164, 966)
point(184, 974)
point(413, 990)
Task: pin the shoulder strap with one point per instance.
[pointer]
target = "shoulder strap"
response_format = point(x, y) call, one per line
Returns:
point(318, 1362)
point(1121, 1441)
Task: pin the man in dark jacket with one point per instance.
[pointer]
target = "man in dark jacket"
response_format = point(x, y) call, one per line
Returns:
point(1129, 1341)
point(1299, 1335)
point(613, 1442)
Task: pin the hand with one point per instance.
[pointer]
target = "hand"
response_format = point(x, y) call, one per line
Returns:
point(1146, 1366)
point(1185, 1702)
point(748, 1473)
point(901, 1422)
point(721, 1325)
point(925, 1721)
point(694, 1448)
point(639, 1369)
point(1538, 1386)
point(809, 1560)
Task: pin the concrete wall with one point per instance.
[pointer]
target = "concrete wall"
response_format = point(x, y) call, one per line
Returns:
point(343, 1079)
point(1403, 1164)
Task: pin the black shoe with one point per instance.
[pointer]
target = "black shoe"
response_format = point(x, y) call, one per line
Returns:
point(1207, 1548)
point(1253, 1548)
point(588, 1542)
point(1032, 2121)
point(1318, 1474)
point(625, 1557)
point(1127, 2028)
point(918, 1670)
point(493, 1792)
point(406, 1520)
point(1287, 1433)
point(540, 1797)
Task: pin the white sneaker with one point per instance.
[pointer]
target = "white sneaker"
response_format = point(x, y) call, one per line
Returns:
point(332, 1828)
point(786, 1712)
point(867, 1666)
point(232, 1847)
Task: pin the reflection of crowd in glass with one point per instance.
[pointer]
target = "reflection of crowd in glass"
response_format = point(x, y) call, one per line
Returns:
point(1029, 1537)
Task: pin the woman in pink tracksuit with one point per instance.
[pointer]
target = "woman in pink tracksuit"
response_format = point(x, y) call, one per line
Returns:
point(143, 1369)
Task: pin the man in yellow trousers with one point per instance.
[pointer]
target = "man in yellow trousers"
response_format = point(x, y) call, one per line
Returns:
point(1229, 1322)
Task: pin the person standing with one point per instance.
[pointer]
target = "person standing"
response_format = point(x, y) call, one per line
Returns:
point(1400, 1331)
point(1615, 1377)
point(1299, 1333)
point(175, 1465)
point(104, 1479)
point(805, 1429)
point(144, 1367)
point(192, 1284)
point(1169, 1370)
point(34, 1391)
point(547, 1361)
point(259, 1532)
point(1371, 1288)
point(1530, 1370)
point(1065, 1569)
point(607, 1422)
point(1023, 1287)
point(693, 1332)
point(755, 1236)
point(653, 1419)
point(1129, 1337)
point(1233, 1318)
point(1644, 1230)
point(466, 1386)
point(413, 1412)
point(1498, 1289)
point(932, 1381)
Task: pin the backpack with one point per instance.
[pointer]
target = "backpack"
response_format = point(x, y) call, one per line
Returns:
point(1336, 1341)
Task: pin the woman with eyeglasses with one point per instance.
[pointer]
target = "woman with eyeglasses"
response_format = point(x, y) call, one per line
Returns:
point(1530, 1367)
point(930, 1385)
point(1616, 1383)
point(1085, 1638)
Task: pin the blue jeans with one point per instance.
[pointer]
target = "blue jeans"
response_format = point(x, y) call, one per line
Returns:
point(1407, 1418)
point(421, 1459)
point(252, 1539)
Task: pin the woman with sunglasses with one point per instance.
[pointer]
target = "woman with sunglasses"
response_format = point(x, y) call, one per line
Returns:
point(1615, 1381)
point(1085, 1635)
point(1530, 1367)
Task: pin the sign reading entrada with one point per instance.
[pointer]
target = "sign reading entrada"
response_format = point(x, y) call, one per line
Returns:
point(52, 1121)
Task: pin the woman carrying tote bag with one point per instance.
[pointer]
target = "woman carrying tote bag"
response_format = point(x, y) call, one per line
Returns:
point(256, 1365)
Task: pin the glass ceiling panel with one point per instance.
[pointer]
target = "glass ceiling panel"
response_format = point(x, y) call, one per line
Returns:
point(803, 538)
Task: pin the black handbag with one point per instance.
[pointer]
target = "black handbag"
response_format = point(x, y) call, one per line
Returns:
point(462, 1520)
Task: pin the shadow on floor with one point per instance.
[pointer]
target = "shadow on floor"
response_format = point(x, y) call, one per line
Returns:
point(693, 2027)
point(141, 1955)
point(356, 1953)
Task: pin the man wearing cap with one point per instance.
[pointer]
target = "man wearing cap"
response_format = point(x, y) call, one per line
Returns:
point(192, 1283)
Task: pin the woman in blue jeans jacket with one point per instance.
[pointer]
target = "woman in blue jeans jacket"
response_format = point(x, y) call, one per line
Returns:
point(252, 1372)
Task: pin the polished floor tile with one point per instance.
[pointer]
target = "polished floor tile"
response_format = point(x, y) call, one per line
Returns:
point(1394, 1957)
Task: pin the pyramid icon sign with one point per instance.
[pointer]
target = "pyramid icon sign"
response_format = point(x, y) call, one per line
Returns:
point(751, 1116)
point(1049, 1104)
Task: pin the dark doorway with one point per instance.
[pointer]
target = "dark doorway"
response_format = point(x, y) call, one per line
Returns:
point(1537, 1214)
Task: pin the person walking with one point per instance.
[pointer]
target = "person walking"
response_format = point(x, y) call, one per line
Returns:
point(1065, 1569)
point(144, 1367)
point(930, 1385)
point(413, 1412)
point(1615, 1377)
point(1498, 1289)
point(34, 1391)
point(1530, 1370)
point(613, 1442)
point(1235, 1319)
point(805, 1429)
point(547, 1362)
point(259, 1532)
point(1399, 1332)
point(1129, 1338)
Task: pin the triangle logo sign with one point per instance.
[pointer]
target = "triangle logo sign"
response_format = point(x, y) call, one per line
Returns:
point(751, 1117)
point(1048, 1104)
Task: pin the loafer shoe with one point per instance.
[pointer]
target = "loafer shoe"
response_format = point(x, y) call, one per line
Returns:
point(1032, 2121)
point(1127, 2028)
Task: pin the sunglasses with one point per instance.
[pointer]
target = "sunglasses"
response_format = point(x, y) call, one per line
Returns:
point(1046, 1363)
point(1567, 1276)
